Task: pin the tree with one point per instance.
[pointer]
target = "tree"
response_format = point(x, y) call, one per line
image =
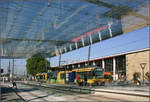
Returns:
point(136, 75)
point(37, 64)
point(147, 76)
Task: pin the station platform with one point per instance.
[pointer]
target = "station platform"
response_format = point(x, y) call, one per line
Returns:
point(32, 93)
point(8, 94)
point(134, 90)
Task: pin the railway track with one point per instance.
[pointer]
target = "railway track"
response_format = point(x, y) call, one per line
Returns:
point(83, 96)
point(75, 89)
point(67, 93)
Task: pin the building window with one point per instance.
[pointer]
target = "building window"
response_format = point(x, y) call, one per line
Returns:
point(70, 66)
point(90, 63)
point(121, 65)
point(109, 65)
point(98, 63)
point(76, 66)
point(82, 65)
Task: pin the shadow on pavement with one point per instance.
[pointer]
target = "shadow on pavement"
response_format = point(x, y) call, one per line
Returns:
point(7, 95)
point(40, 97)
point(26, 90)
point(15, 100)
point(6, 90)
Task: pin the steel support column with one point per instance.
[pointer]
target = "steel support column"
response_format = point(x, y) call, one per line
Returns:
point(109, 27)
point(94, 63)
point(90, 39)
point(85, 64)
point(0, 67)
point(100, 36)
point(60, 52)
point(79, 65)
point(60, 58)
point(114, 68)
point(70, 47)
point(9, 71)
point(89, 53)
point(13, 69)
point(65, 49)
point(82, 42)
point(76, 45)
point(103, 64)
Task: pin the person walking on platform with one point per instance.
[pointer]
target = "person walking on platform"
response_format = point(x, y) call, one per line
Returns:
point(138, 82)
point(77, 79)
point(85, 80)
point(14, 84)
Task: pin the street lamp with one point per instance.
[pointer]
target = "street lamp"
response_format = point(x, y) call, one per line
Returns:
point(143, 66)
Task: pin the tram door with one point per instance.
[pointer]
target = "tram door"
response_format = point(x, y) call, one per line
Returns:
point(71, 76)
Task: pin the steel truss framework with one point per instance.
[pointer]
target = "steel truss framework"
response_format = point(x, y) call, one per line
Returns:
point(54, 27)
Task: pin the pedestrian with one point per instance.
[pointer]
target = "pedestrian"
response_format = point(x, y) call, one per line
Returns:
point(77, 79)
point(85, 80)
point(138, 81)
point(122, 78)
point(14, 84)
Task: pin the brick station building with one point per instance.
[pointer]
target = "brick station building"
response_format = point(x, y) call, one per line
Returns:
point(119, 55)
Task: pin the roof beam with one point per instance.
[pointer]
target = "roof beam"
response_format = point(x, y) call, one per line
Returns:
point(8, 40)
point(124, 9)
point(100, 3)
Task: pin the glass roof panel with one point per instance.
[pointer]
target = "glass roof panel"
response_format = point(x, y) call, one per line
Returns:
point(50, 26)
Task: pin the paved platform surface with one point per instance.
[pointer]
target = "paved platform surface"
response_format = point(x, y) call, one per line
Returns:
point(9, 95)
point(131, 90)
point(134, 90)
point(34, 94)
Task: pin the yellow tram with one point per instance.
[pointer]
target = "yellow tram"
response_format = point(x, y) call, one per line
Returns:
point(82, 76)
point(42, 77)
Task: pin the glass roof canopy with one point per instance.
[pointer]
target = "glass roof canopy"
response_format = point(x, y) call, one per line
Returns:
point(53, 27)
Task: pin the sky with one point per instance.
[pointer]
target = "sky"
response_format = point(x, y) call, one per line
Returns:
point(131, 41)
point(19, 65)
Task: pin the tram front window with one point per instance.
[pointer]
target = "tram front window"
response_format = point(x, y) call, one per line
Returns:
point(62, 76)
point(51, 75)
point(106, 76)
point(91, 74)
point(99, 73)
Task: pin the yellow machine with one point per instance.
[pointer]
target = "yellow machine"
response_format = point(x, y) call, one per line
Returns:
point(94, 76)
point(81, 76)
point(84, 76)
point(41, 77)
point(62, 77)
point(51, 77)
